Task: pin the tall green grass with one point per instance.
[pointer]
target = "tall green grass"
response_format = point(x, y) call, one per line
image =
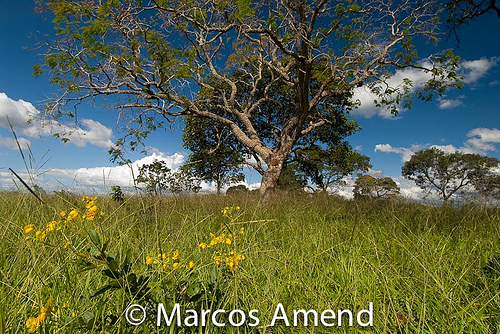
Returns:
point(426, 269)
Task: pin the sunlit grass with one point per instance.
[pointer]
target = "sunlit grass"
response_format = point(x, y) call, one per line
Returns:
point(426, 269)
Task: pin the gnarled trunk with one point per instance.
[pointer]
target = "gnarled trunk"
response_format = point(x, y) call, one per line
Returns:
point(270, 177)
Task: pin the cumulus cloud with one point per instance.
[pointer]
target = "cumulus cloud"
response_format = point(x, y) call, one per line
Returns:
point(114, 175)
point(474, 70)
point(406, 152)
point(471, 71)
point(25, 119)
point(11, 143)
point(451, 103)
point(481, 141)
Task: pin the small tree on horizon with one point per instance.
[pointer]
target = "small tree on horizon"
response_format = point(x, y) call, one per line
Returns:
point(448, 174)
point(367, 186)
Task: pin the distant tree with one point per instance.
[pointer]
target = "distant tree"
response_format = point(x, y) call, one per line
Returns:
point(327, 167)
point(155, 175)
point(215, 157)
point(489, 185)
point(236, 189)
point(367, 186)
point(183, 181)
point(448, 174)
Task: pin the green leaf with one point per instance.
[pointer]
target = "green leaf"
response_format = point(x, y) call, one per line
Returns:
point(102, 290)
point(96, 240)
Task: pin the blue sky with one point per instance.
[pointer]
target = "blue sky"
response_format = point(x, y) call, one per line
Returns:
point(466, 119)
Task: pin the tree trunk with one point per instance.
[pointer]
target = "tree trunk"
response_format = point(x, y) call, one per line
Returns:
point(270, 178)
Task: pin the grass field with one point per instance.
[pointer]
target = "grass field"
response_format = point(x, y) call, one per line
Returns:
point(425, 269)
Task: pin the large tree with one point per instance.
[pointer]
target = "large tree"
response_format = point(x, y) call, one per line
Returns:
point(213, 158)
point(448, 174)
point(162, 57)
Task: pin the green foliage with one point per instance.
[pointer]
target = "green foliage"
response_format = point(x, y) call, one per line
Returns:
point(326, 168)
point(448, 174)
point(367, 186)
point(291, 179)
point(160, 179)
point(214, 157)
point(239, 189)
point(117, 194)
point(155, 175)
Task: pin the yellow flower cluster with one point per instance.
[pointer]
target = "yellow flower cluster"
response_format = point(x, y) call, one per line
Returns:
point(221, 243)
point(67, 217)
point(41, 235)
point(228, 210)
point(162, 260)
point(33, 323)
point(91, 207)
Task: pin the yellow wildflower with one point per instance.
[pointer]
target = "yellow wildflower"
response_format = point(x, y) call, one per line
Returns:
point(32, 324)
point(52, 225)
point(91, 213)
point(203, 245)
point(191, 264)
point(217, 260)
point(175, 265)
point(72, 214)
point(63, 214)
point(40, 235)
point(176, 255)
point(66, 245)
point(149, 260)
point(29, 228)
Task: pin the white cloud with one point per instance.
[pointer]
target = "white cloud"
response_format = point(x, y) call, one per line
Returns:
point(115, 175)
point(481, 141)
point(26, 119)
point(406, 152)
point(471, 71)
point(451, 103)
point(11, 143)
point(474, 70)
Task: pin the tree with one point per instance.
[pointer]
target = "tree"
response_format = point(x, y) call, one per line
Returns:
point(183, 181)
point(213, 159)
point(489, 186)
point(291, 180)
point(367, 186)
point(155, 175)
point(160, 179)
point(448, 174)
point(327, 167)
point(163, 57)
point(239, 189)
point(460, 12)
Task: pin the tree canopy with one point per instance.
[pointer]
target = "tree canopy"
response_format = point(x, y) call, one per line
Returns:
point(212, 159)
point(367, 186)
point(448, 174)
point(164, 59)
